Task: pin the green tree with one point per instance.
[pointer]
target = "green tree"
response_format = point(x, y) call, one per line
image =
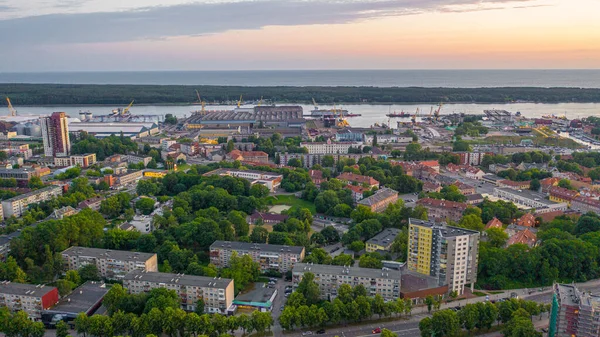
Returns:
point(445, 323)
point(535, 185)
point(145, 205)
point(259, 191)
point(35, 183)
point(62, 330)
point(309, 289)
point(89, 272)
point(259, 234)
point(496, 237)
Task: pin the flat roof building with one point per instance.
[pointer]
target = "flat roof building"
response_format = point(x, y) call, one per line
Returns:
point(383, 240)
point(276, 257)
point(530, 199)
point(385, 282)
point(16, 206)
point(216, 293)
point(30, 298)
point(86, 298)
point(112, 264)
point(575, 313)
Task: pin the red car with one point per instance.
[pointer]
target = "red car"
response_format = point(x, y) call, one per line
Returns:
point(376, 330)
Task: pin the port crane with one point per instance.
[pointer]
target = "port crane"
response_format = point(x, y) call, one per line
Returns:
point(414, 117)
point(198, 95)
point(260, 102)
point(11, 110)
point(126, 110)
point(437, 112)
point(239, 103)
point(342, 122)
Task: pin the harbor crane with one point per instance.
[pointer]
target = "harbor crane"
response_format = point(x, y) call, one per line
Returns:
point(239, 103)
point(126, 110)
point(414, 117)
point(342, 122)
point(260, 102)
point(198, 95)
point(11, 110)
point(437, 112)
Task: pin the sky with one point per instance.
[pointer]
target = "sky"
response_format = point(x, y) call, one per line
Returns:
point(117, 35)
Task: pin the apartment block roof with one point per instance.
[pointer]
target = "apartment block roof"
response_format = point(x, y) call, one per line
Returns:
point(236, 245)
point(22, 289)
point(344, 270)
point(35, 192)
point(122, 255)
point(447, 231)
point(186, 280)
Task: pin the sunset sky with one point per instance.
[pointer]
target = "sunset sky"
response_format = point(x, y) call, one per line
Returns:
point(98, 35)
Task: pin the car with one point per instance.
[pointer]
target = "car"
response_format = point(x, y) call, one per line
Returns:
point(307, 333)
point(376, 330)
point(281, 308)
point(545, 330)
point(320, 332)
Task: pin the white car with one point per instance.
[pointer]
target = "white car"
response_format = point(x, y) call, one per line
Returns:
point(307, 333)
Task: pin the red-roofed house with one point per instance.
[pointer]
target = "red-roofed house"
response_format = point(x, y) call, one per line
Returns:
point(527, 220)
point(431, 187)
point(525, 237)
point(434, 164)
point(464, 188)
point(316, 176)
point(252, 156)
point(474, 173)
point(494, 223)
point(349, 178)
point(440, 210)
point(547, 183)
point(454, 168)
point(357, 192)
point(559, 194)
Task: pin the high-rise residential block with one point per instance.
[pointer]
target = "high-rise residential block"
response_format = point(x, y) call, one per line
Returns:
point(55, 134)
point(574, 313)
point(448, 253)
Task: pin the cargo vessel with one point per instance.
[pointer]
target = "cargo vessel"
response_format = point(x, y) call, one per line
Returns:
point(398, 115)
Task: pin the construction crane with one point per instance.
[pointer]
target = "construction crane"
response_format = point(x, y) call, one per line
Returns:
point(414, 117)
point(431, 115)
point(437, 112)
point(239, 103)
point(198, 95)
point(315, 103)
point(11, 110)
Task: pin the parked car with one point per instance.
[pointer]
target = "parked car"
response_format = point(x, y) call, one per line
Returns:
point(307, 333)
point(376, 330)
point(320, 332)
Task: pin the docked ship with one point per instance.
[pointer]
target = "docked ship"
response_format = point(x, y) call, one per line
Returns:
point(320, 113)
point(399, 115)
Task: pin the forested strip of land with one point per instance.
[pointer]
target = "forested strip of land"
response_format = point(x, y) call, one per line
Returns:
point(80, 94)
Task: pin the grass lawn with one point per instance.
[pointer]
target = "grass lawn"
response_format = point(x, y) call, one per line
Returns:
point(183, 167)
point(291, 200)
point(478, 293)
